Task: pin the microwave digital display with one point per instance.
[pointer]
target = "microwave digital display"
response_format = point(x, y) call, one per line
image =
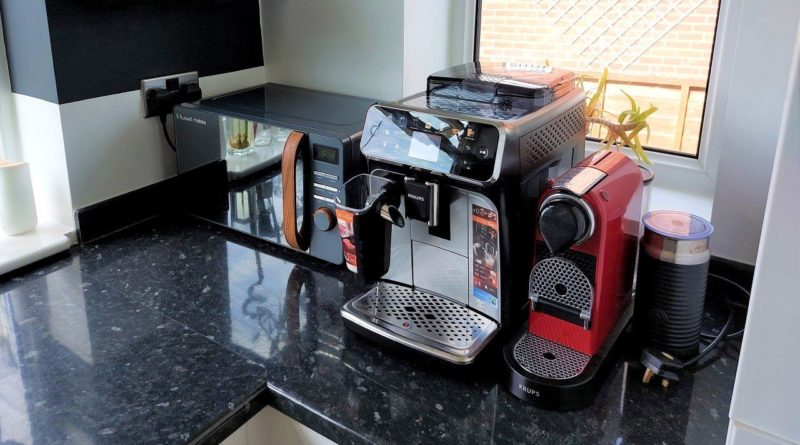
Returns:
point(326, 154)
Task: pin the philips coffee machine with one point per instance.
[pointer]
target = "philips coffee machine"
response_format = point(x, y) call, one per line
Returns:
point(581, 285)
point(269, 160)
point(444, 219)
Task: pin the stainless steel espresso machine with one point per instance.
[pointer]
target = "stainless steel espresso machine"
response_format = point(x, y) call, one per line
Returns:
point(445, 218)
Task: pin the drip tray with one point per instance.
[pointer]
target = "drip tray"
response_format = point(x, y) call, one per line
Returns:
point(548, 359)
point(422, 321)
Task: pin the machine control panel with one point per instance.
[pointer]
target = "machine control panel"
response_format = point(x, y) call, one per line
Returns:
point(431, 142)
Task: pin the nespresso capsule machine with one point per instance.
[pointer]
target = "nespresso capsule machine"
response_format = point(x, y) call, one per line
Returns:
point(581, 285)
point(444, 220)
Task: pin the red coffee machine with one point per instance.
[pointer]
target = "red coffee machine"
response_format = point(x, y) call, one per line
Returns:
point(581, 285)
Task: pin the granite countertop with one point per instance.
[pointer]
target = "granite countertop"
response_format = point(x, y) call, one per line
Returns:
point(177, 331)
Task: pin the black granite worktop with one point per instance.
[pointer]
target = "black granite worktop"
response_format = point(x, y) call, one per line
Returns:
point(176, 331)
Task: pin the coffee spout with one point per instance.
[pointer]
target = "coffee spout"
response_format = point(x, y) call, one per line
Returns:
point(392, 214)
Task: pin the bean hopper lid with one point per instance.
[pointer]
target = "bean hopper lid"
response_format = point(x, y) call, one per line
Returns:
point(677, 225)
point(497, 90)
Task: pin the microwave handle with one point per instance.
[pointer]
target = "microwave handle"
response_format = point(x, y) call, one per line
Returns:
point(292, 150)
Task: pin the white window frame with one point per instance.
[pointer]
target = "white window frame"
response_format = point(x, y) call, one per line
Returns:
point(8, 143)
point(675, 171)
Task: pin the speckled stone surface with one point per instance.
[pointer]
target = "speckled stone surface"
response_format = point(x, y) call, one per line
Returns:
point(189, 296)
point(82, 363)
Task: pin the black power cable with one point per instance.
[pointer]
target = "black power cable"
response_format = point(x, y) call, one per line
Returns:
point(163, 118)
point(732, 305)
point(161, 101)
point(720, 336)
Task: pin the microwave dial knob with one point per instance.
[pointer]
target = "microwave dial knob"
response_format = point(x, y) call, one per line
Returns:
point(324, 219)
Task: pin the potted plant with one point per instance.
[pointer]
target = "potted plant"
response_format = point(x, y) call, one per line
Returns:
point(622, 130)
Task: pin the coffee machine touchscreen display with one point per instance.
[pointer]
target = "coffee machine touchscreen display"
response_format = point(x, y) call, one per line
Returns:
point(425, 146)
point(431, 142)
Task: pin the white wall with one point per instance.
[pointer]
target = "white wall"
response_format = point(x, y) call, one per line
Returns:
point(41, 143)
point(766, 397)
point(381, 49)
point(111, 149)
point(346, 46)
point(426, 47)
point(85, 152)
point(758, 80)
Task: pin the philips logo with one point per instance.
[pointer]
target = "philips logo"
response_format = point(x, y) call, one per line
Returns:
point(416, 197)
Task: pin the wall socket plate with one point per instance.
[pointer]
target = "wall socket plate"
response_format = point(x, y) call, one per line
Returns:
point(161, 82)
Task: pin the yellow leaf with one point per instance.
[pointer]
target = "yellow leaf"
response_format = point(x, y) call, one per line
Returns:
point(601, 87)
point(632, 101)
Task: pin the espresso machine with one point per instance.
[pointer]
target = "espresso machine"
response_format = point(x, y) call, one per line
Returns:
point(581, 285)
point(443, 222)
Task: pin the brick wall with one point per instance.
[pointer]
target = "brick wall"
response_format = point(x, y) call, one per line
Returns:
point(659, 50)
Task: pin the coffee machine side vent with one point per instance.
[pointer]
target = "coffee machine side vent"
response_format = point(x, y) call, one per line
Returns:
point(539, 145)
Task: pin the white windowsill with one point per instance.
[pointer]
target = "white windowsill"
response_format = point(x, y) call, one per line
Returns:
point(680, 184)
point(17, 251)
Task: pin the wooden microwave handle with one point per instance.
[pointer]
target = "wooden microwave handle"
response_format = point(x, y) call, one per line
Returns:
point(292, 150)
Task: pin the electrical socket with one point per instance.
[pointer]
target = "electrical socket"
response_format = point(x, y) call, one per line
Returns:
point(161, 82)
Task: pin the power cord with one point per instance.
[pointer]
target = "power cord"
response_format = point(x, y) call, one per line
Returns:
point(160, 101)
point(163, 119)
point(662, 364)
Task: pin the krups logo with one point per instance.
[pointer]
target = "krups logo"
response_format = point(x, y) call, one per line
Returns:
point(416, 197)
point(530, 391)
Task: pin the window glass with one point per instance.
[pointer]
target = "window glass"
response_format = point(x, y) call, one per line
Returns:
point(658, 51)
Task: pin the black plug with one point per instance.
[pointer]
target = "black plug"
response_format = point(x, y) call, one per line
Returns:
point(191, 92)
point(160, 101)
point(661, 364)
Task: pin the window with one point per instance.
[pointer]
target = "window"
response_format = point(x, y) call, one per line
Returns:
point(658, 51)
point(7, 149)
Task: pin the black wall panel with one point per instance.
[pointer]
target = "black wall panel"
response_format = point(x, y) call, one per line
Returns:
point(102, 47)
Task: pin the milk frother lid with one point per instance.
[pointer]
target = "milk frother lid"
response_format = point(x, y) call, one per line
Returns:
point(677, 225)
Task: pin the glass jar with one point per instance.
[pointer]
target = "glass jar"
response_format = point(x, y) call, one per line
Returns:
point(239, 136)
point(263, 135)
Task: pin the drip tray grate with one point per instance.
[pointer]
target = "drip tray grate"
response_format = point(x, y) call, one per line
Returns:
point(548, 359)
point(424, 318)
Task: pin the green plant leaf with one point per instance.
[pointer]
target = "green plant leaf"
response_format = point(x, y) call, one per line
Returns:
point(637, 129)
point(634, 107)
point(638, 148)
point(640, 117)
point(624, 114)
point(601, 87)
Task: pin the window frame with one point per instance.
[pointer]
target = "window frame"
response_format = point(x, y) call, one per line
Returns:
point(703, 167)
point(8, 142)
